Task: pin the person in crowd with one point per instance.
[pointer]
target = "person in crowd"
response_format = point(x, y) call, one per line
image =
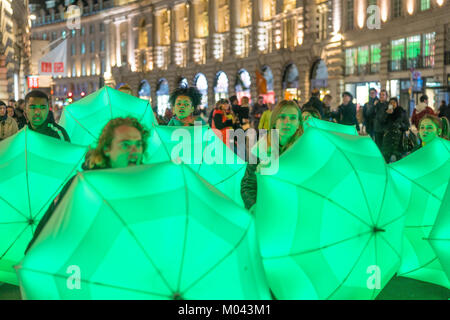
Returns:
point(264, 123)
point(20, 113)
point(308, 112)
point(224, 119)
point(314, 102)
point(39, 117)
point(327, 107)
point(346, 112)
point(444, 110)
point(8, 126)
point(369, 112)
point(256, 112)
point(235, 107)
point(430, 127)
point(421, 109)
point(286, 117)
point(184, 102)
point(11, 112)
point(244, 113)
point(380, 107)
point(395, 122)
point(122, 143)
point(125, 88)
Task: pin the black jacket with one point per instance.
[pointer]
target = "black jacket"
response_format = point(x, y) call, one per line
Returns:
point(445, 112)
point(398, 119)
point(317, 104)
point(346, 114)
point(369, 114)
point(52, 129)
point(380, 112)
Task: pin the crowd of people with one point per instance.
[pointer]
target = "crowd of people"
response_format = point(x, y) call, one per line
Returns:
point(123, 141)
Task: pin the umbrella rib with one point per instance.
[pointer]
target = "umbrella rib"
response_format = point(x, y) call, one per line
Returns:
point(89, 282)
point(13, 222)
point(185, 230)
point(109, 103)
point(145, 111)
point(357, 176)
point(418, 268)
point(415, 183)
point(225, 179)
point(163, 143)
point(393, 220)
point(26, 174)
point(384, 194)
point(221, 260)
point(317, 249)
point(376, 263)
point(12, 244)
point(351, 270)
point(437, 239)
point(61, 185)
point(79, 123)
point(326, 198)
point(390, 246)
point(131, 233)
point(14, 208)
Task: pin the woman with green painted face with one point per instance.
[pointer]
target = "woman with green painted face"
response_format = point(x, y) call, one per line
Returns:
point(431, 127)
point(287, 119)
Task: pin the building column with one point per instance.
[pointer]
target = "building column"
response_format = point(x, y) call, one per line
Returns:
point(212, 14)
point(118, 53)
point(192, 25)
point(107, 47)
point(172, 35)
point(130, 47)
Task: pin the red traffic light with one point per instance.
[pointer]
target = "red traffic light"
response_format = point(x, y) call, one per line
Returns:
point(83, 93)
point(70, 94)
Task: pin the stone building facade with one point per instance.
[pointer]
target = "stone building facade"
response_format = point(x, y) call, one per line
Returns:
point(15, 48)
point(279, 48)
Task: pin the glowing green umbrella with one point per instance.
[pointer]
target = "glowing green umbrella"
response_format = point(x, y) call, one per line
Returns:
point(330, 126)
point(129, 234)
point(84, 119)
point(201, 149)
point(440, 235)
point(424, 176)
point(330, 221)
point(33, 168)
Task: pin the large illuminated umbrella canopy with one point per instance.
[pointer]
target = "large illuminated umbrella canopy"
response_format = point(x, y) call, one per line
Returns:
point(330, 126)
point(33, 169)
point(85, 119)
point(129, 234)
point(424, 176)
point(330, 221)
point(201, 149)
point(440, 235)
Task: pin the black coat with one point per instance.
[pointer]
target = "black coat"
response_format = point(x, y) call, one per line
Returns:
point(445, 112)
point(369, 114)
point(346, 114)
point(314, 102)
point(380, 113)
point(52, 129)
point(397, 120)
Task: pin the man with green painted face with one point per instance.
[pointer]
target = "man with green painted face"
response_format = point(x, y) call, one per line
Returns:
point(39, 118)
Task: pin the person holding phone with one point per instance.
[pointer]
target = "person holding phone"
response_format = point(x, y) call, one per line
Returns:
point(394, 123)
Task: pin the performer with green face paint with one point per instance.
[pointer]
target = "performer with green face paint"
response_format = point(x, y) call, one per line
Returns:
point(184, 102)
point(39, 117)
point(286, 118)
point(431, 127)
point(122, 143)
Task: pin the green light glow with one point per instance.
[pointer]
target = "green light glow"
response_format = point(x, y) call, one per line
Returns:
point(128, 234)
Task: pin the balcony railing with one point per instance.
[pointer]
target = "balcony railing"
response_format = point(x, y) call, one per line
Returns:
point(419, 62)
point(362, 69)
